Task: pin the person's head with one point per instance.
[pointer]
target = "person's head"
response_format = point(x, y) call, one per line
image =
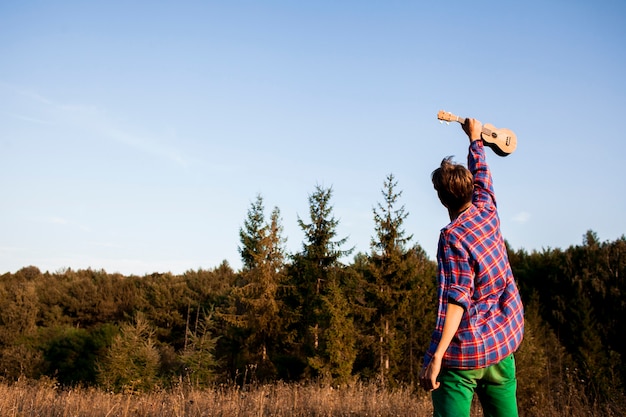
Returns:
point(454, 184)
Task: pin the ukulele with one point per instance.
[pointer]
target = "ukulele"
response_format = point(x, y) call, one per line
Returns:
point(502, 141)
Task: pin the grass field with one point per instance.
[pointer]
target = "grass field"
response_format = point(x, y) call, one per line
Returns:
point(278, 400)
point(47, 399)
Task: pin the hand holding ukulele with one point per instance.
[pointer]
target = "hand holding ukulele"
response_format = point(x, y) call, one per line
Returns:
point(502, 141)
point(473, 128)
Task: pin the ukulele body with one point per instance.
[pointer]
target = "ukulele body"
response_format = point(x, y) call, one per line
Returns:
point(502, 141)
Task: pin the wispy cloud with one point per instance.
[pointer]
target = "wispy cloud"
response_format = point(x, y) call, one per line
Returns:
point(97, 122)
point(29, 119)
point(61, 221)
point(522, 217)
point(144, 144)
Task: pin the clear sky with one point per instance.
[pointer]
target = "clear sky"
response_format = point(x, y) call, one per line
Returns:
point(134, 135)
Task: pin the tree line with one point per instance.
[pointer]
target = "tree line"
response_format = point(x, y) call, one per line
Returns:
point(307, 316)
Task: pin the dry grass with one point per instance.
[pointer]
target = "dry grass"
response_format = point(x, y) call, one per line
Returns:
point(46, 399)
point(288, 400)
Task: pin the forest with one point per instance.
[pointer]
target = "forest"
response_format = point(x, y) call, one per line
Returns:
point(310, 316)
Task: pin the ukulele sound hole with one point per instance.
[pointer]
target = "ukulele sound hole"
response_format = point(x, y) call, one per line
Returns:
point(494, 135)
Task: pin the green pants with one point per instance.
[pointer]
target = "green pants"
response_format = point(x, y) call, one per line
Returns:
point(495, 386)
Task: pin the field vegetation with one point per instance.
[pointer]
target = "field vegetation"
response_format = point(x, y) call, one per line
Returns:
point(44, 398)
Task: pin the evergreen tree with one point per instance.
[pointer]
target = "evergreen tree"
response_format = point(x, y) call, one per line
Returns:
point(256, 298)
point(419, 311)
point(335, 361)
point(326, 330)
point(252, 234)
point(575, 290)
point(132, 362)
point(19, 307)
point(198, 356)
point(391, 277)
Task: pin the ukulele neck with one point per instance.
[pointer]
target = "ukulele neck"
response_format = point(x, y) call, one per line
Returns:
point(485, 131)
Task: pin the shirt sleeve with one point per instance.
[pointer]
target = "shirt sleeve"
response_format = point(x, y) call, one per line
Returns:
point(483, 184)
point(459, 273)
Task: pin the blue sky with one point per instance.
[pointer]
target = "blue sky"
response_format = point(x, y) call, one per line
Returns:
point(134, 135)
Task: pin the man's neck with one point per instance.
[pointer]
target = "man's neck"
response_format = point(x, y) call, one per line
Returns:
point(454, 214)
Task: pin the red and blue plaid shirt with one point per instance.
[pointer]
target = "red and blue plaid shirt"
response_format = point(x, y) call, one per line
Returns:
point(474, 272)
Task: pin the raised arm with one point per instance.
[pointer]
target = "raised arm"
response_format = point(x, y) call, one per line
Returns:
point(477, 164)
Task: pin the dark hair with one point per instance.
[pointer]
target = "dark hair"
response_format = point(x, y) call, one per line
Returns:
point(454, 184)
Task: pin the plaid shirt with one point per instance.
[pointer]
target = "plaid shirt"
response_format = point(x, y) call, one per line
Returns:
point(474, 272)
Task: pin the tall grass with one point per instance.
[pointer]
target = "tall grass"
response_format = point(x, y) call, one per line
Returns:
point(289, 400)
point(46, 399)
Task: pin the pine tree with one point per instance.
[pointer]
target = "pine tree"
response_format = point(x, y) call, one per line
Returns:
point(198, 355)
point(252, 234)
point(390, 282)
point(418, 311)
point(132, 362)
point(326, 327)
point(335, 361)
point(257, 315)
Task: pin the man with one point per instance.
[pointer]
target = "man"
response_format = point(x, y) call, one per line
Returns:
point(480, 320)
